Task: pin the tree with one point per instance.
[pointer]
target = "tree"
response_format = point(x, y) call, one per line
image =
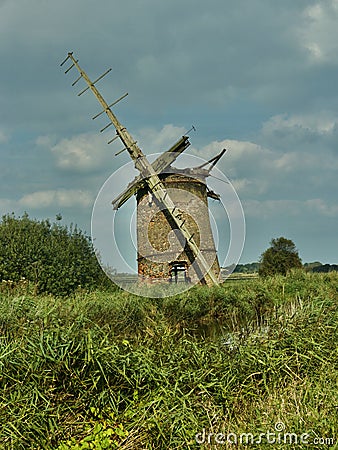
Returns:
point(279, 258)
point(57, 259)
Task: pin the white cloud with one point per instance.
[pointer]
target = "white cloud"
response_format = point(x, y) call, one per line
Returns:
point(81, 153)
point(296, 162)
point(255, 186)
point(320, 122)
point(302, 143)
point(241, 184)
point(318, 31)
point(59, 198)
point(158, 141)
point(89, 152)
point(45, 141)
point(4, 136)
point(322, 208)
point(246, 164)
point(238, 152)
point(267, 209)
point(6, 205)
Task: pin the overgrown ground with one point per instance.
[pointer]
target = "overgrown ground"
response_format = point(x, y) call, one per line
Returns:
point(112, 370)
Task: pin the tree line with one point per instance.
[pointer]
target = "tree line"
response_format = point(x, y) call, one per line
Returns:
point(281, 257)
point(59, 259)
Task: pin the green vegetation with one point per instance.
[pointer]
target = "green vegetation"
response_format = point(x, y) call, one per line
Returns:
point(280, 258)
point(252, 268)
point(325, 268)
point(111, 370)
point(50, 257)
point(247, 268)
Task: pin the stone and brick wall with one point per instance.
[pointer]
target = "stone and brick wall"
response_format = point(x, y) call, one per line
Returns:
point(158, 242)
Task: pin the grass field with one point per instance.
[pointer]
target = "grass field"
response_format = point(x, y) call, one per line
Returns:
point(205, 369)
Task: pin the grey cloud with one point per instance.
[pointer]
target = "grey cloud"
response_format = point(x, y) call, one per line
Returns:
point(169, 58)
point(258, 77)
point(82, 153)
point(62, 198)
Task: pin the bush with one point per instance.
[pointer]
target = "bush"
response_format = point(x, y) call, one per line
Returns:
point(54, 258)
point(280, 258)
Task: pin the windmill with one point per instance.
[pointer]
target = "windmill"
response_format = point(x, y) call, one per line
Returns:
point(174, 236)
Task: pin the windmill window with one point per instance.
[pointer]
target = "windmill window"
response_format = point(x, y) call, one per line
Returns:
point(179, 272)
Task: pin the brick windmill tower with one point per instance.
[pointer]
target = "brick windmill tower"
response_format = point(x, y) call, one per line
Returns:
point(174, 236)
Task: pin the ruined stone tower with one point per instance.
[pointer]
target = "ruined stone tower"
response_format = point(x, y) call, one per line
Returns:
point(175, 241)
point(162, 253)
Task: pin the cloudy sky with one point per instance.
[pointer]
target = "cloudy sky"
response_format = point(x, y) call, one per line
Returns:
point(258, 77)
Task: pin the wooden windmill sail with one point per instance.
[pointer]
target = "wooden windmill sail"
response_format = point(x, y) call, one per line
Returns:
point(157, 180)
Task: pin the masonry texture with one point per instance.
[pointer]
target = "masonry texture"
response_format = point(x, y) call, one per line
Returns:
point(160, 244)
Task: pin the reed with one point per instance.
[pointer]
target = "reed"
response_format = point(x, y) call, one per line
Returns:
point(112, 370)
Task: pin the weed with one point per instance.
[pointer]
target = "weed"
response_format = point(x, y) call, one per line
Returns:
point(113, 370)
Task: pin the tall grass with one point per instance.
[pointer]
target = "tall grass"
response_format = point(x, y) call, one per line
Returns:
point(112, 370)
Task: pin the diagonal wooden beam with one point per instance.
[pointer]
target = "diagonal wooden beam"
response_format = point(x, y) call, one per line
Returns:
point(151, 177)
point(159, 165)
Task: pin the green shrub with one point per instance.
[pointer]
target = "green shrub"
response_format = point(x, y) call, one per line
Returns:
point(54, 258)
point(280, 258)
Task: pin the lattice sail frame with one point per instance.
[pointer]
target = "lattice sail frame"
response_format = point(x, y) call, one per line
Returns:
point(148, 172)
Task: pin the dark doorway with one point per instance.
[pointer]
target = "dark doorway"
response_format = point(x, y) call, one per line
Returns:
point(179, 272)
